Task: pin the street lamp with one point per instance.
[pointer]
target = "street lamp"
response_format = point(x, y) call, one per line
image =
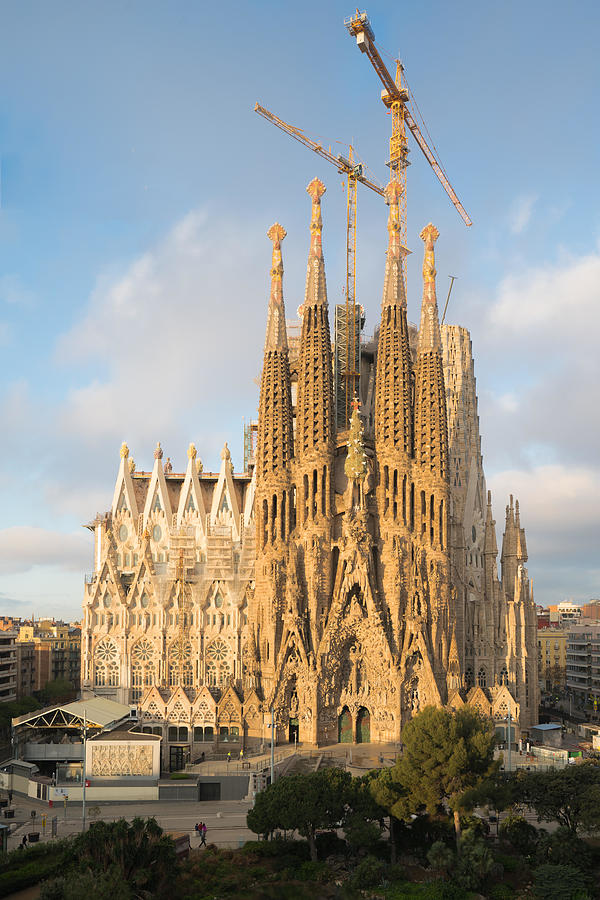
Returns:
point(84, 769)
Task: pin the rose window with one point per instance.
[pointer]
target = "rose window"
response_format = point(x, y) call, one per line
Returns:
point(176, 654)
point(143, 651)
point(106, 652)
point(218, 651)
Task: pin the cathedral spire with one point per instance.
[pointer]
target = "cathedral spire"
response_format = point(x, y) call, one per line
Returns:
point(429, 332)
point(490, 547)
point(276, 338)
point(393, 412)
point(275, 430)
point(314, 417)
point(316, 189)
point(431, 423)
point(393, 286)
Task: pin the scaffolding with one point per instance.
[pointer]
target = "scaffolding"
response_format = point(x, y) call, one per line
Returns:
point(348, 324)
point(250, 439)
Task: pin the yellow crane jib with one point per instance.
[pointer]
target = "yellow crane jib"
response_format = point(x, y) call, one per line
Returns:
point(396, 97)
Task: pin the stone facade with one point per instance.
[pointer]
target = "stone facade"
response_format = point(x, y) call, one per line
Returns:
point(345, 581)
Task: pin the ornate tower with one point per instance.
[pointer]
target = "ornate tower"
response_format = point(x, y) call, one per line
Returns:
point(429, 616)
point(315, 429)
point(393, 422)
point(274, 493)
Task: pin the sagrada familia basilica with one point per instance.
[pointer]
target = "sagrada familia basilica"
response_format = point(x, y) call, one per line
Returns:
point(344, 581)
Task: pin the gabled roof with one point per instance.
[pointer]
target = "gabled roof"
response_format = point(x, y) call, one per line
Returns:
point(97, 711)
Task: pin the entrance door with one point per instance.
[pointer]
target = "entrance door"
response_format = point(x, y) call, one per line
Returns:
point(363, 726)
point(177, 758)
point(294, 730)
point(345, 727)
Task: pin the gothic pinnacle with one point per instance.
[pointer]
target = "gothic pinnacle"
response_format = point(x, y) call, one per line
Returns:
point(315, 190)
point(276, 337)
point(429, 332)
point(393, 286)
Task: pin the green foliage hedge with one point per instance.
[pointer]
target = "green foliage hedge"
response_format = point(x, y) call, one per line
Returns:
point(21, 869)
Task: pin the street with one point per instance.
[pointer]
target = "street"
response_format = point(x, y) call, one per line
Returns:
point(225, 821)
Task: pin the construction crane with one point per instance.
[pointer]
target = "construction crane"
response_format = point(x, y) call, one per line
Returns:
point(354, 172)
point(397, 98)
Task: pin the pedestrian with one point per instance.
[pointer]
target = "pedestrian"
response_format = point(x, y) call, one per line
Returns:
point(229, 757)
point(24, 841)
point(241, 755)
point(202, 757)
point(203, 834)
point(197, 827)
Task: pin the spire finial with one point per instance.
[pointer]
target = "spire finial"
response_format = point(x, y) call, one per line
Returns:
point(192, 451)
point(158, 453)
point(225, 453)
point(429, 236)
point(124, 450)
point(276, 338)
point(392, 195)
point(429, 332)
point(315, 190)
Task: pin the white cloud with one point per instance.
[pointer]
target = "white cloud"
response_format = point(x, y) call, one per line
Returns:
point(23, 547)
point(557, 302)
point(178, 335)
point(559, 507)
point(521, 213)
point(538, 369)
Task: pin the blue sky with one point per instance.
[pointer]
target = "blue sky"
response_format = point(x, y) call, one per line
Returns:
point(137, 185)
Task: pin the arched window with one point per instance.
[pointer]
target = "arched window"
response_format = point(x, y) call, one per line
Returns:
point(503, 677)
point(468, 677)
point(482, 678)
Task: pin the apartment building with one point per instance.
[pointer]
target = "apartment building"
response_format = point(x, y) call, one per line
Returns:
point(8, 667)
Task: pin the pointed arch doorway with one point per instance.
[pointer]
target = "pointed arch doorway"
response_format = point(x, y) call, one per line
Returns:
point(345, 726)
point(363, 726)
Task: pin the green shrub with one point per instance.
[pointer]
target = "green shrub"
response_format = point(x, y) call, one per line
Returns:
point(179, 776)
point(368, 873)
point(442, 890)
point(509, 863)
point(560, 883)
point(313, 871)
point(24, 868)
point(562, 848)
point(328, 844)
point(441, 857)
point(395, 873)
point(475, 862)
point(100, 886)
point(519, 833)
point(501, 892)
point(278, 847)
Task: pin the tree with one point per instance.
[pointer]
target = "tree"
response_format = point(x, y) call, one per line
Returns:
point(60, 690)
point(143, 856)
point(569, 796)
point(302, 803)
point(441, 858)
point(389, 794)
point(446, 754)
point(363, 819)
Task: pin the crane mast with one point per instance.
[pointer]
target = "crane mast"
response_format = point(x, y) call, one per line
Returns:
point(396, 98)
